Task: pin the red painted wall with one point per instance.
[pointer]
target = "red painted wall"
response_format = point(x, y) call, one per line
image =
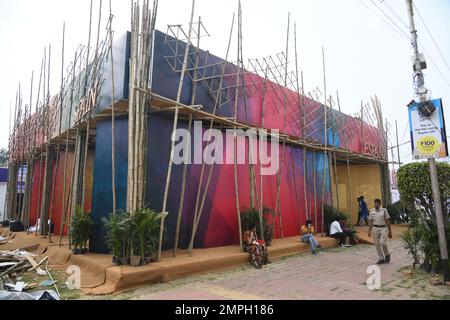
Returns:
point(58, 176)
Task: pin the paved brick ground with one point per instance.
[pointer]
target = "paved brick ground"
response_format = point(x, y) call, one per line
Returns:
point(338, 273)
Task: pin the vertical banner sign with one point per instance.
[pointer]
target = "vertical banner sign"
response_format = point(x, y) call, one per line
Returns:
point(428, 138)
point(21, 179)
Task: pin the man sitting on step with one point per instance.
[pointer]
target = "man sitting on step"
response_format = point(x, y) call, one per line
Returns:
point(337, 232)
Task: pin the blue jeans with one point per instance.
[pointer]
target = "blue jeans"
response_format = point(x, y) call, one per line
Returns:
point(312, 242)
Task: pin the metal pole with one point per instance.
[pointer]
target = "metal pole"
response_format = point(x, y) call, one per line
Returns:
point(421, 92)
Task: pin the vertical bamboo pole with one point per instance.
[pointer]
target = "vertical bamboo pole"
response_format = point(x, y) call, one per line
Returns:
point(315, 187)
point(66, 150)
point(302, 119)
point(131, 109)
point(61, 102)
point(325, 138)
point(279, 173)
point(113, 119)
point(175, 122)
point(261, 141)
point(236, 188)
point(26, 195)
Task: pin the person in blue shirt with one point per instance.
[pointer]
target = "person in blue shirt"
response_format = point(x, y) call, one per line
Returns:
point(363, 212)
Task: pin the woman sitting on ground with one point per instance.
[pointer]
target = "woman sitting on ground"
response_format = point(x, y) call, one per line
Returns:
point(257, 249)
point(307, 235)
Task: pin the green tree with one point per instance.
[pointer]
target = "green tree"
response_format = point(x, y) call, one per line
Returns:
point(3, 157)
point(414, 184)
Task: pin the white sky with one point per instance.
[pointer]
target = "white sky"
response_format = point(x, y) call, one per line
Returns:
point(364, 56)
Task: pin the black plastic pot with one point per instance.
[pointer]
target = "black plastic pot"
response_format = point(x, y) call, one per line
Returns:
point(115, 261)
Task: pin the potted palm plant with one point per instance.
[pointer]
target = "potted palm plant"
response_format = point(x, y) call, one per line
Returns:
point(119, 228)
point(145, 235)
point(79, 230)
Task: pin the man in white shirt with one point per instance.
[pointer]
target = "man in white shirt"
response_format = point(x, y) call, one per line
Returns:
point(337, 232)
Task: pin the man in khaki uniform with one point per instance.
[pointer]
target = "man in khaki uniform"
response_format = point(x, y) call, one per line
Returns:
point(379, 222)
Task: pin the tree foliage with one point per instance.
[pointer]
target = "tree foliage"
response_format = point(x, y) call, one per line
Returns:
point(414, 184)
point(3, 157)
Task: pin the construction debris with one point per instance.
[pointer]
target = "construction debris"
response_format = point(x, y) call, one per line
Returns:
point(13, 264)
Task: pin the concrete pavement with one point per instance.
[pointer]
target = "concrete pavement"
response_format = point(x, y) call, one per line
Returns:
point(337, 273)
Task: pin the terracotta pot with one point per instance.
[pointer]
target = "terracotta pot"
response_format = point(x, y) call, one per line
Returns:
point(135, 260)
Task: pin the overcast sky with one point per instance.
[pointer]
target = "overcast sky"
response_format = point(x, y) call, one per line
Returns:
point(364, 55)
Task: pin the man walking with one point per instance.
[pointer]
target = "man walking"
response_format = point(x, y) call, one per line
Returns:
point(379, 222)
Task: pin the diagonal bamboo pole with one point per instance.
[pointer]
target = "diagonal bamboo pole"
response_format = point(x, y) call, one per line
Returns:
point(188, 143)
point(197, 212)
point(175, 122)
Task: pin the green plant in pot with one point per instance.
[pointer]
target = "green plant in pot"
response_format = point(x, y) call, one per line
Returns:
point(79, 230)
point(145, 235)
point(119, 230)
point(268, 217)
point(251, 217)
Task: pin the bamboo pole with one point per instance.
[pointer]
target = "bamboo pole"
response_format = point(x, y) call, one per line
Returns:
point(197, 211)
point(188, 143)
point(236, 188)
point(140, 24)
point(59, 130)
point(113, 120)
point(75, 180)
point(315, 187)
point(175, 122)
point(302, 119)
point(48, 160)
point(27, 183)
point(261, 194)
point(279, 173)
point(325, 138)
point(146, 56)
point(131, 110)
point(64, 202)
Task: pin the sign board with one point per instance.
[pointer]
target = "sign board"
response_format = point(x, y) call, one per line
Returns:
point(21, 179)
point(428, 138)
